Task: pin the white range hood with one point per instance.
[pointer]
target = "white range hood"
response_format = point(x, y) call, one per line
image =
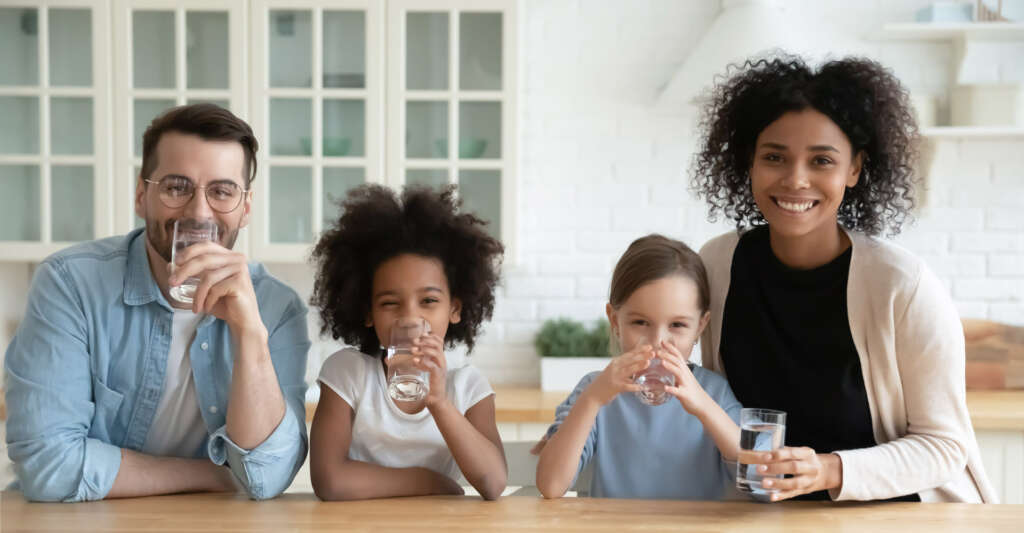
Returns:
point(745, 28)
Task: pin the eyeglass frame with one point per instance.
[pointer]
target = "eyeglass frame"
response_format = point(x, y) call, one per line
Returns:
point(193, 196)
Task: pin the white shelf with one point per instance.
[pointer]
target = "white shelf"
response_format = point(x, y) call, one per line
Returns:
point(973, 132)
point(945, 31)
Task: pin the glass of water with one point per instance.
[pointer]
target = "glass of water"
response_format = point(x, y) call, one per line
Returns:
point(654, 378)
point(761, 430)
point(186, 233)
point(406, 381)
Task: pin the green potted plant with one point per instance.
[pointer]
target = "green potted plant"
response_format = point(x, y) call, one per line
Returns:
point(569, 351)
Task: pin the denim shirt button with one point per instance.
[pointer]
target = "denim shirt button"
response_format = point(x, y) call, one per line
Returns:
point(204, 345)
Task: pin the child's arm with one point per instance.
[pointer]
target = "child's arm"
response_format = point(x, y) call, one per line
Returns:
point(475, 444)
point(560, 458)
point(336, 477)
point(697, 402)
point(473, 439)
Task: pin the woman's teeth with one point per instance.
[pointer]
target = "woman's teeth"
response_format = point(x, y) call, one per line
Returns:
point(794, 206)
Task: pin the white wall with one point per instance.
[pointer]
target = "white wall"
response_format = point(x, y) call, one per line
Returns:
point(602, 163)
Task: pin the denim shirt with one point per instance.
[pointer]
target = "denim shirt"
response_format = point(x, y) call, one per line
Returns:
point(85, 372)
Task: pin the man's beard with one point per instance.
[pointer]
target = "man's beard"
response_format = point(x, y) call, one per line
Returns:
point(160, 237)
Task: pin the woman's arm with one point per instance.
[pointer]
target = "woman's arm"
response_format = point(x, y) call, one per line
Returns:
point(336, 477)
point(475, 444)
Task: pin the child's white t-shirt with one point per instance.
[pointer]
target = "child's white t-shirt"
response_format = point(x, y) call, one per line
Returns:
point(382, 433)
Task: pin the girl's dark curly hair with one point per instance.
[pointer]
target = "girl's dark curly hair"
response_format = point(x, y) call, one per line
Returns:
point(377, 225)
point(861, 96)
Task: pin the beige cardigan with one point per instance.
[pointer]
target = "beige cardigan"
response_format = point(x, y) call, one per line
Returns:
point(911, 346)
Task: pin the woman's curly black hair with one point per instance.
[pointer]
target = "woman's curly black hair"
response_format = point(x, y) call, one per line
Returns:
point(376, 225)
point(861, 96)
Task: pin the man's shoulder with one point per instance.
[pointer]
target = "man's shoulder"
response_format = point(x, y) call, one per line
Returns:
point(271, 291)
point(100, 253)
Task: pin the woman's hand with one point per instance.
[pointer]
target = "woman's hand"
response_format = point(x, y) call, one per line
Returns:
point(687, 390)
point(429, 356)
point(617, 377)
point(811, 471)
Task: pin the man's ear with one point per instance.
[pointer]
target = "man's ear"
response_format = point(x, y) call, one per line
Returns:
point(140, 194)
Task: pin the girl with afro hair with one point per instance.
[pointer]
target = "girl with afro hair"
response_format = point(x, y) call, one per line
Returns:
point(392, 257)
point(812, 313)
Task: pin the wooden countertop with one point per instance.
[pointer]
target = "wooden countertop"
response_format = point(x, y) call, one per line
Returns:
point(303, 512)
point(990, 410)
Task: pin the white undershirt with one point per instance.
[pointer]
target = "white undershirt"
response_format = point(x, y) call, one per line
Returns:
point(178, 429)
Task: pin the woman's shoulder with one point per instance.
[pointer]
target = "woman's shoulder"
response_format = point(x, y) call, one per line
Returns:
point(719, 249)
point(882, 262)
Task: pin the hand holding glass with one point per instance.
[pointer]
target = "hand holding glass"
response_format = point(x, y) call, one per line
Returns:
point(654, 378)
point(186, 233)
point(761, 430)
point(406, 381)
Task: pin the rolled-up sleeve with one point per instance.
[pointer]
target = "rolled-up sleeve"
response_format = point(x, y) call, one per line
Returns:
point(268, 469)
point(51, 399)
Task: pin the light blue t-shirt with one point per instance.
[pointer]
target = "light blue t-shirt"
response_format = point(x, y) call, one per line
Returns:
point(655, 452)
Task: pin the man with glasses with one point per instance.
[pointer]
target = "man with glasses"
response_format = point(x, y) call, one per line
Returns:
point(116, 389)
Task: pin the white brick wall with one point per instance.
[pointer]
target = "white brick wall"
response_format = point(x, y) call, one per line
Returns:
point(601, 164)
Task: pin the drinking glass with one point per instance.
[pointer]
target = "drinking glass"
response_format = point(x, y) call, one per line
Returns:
point(654, 378)
point(406, 381)
point(186, 233)
point(761, 430)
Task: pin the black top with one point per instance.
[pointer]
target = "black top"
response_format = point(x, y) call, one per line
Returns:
point(786, 345)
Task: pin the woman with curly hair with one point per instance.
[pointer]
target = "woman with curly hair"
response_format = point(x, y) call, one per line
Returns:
point(813, 314)
point(388, 258)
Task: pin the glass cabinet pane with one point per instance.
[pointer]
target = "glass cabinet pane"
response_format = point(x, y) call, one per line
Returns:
point(344, 49)
point(291, 48)
point(291, 192)
point(71, 126)
point(479, 130)
point(144, 113)
point(71, 203)
point(291, 129)
point(19, 46)
point(153, 47)
point(344, 128)
point(434, 177)
point(70, 47)
point(337, 182)
point(426, 51)
point(426, 130)
point(480, 51)
point(19, 205)
point(480, 191)
point(215, 101)
point(19, 129)
point(206, 49)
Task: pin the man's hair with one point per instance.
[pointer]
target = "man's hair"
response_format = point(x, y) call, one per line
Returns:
point(208, 121)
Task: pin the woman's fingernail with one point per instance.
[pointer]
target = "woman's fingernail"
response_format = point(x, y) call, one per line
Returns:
point(762, 468)
point(767, 483)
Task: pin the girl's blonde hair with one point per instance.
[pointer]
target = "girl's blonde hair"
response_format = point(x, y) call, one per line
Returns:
point(652, 258)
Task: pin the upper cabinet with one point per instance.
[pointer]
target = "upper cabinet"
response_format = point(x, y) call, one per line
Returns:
point(171, 52)
point(339, 93)
point(317, 99)
point(55, 131)
point(452, 101)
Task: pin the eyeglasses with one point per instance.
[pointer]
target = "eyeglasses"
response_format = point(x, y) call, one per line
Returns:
point(177, 191)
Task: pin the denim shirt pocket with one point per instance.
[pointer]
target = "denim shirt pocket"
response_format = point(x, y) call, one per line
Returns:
point(105, 422)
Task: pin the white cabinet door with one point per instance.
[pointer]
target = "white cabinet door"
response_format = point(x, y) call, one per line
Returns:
point(54, 100)
point(452, 102)
point(170, 53)
point(317, 89)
